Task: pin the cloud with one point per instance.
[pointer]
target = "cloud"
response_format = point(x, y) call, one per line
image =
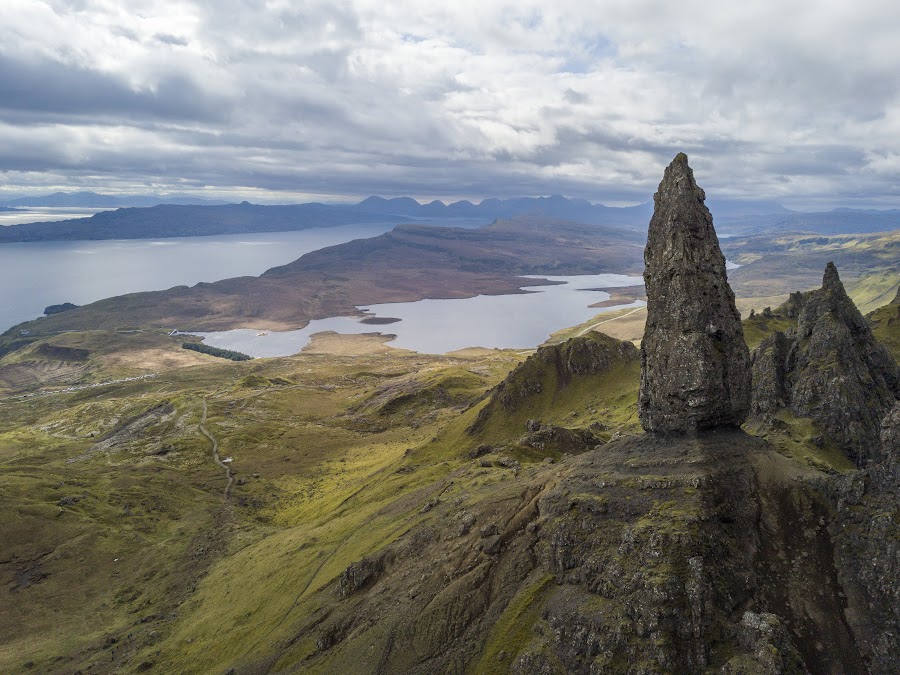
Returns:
point(45, 89)
point(173, 40)
point(787, 100)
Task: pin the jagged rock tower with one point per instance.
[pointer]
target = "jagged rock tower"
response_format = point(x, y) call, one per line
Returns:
point(831, 369)
point(695, 366)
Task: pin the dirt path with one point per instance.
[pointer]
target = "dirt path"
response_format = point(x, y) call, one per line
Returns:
point(215, 451)
point(79, 387)
point(615, 318)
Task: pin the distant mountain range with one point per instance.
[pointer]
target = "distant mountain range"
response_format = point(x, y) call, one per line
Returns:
point(578, 210)
point(183, 215)
point(95, 200)
point(733, 217)
point(556, 206)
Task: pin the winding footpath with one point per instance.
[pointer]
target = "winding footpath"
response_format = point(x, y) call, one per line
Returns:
point(615, 318)
point(215, 452)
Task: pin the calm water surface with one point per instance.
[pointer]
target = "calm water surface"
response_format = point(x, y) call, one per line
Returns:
point(46, 214)
point(34, 275)
point(439, 326)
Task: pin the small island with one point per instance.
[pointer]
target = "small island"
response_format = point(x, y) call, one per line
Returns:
point(379, 320)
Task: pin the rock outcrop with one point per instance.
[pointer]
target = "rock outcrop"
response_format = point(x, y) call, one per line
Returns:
point(548, 373)
point(890, 435)
point(832, 370)
point(770, 388)
point(866, 533)
point(695, 366)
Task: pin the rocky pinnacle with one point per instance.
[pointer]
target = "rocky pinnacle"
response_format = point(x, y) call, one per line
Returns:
point(695, 367)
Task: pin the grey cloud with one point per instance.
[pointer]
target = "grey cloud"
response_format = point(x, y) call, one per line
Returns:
point(338, 98)
point(171, 40)
point(121, 31)
point(576, 97)
point(44, 87)
point(829, 160)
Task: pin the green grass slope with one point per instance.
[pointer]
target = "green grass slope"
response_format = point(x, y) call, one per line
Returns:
point(885, 323)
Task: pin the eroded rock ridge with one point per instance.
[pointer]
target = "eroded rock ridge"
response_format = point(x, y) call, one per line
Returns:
point(832, 369)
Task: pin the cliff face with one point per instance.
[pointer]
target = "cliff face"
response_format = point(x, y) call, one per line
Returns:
point(652, 554)
point(546, 375)
point(866, 532)
point(695, 364)
point(832, 369)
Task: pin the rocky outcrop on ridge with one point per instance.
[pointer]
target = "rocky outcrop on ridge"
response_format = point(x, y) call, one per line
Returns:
point(695, 370)
point(550, 370)
point(831, 369)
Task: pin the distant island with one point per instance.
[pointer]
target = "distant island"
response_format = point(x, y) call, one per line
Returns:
point(95, 200)
point(171, 220)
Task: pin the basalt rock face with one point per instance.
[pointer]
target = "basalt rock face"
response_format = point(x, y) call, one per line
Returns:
point(890, 434)
point(866, 533)
point(832, 370)
point(695, 366)
point(770, 389)
point(653, 554)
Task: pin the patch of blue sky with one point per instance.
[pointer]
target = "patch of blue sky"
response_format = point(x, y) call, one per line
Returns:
point(589, 52)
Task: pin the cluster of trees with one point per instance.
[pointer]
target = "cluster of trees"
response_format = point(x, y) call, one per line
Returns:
point(216, 351)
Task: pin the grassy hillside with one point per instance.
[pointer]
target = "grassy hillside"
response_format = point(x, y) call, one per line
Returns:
point(120, 538)
point(885, 323)
point(114, 506)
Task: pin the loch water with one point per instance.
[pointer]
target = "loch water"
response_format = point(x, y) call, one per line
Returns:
point(437, 326)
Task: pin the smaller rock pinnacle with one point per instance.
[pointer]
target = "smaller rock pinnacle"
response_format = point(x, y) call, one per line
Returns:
point(831, 280)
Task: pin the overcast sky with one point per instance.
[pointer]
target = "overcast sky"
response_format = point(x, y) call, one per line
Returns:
point(279, 100)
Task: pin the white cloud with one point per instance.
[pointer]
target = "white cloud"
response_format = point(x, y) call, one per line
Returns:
point(793, 100)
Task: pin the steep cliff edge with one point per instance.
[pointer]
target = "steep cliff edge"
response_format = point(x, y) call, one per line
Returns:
point(647, 556)
point(866, 531)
